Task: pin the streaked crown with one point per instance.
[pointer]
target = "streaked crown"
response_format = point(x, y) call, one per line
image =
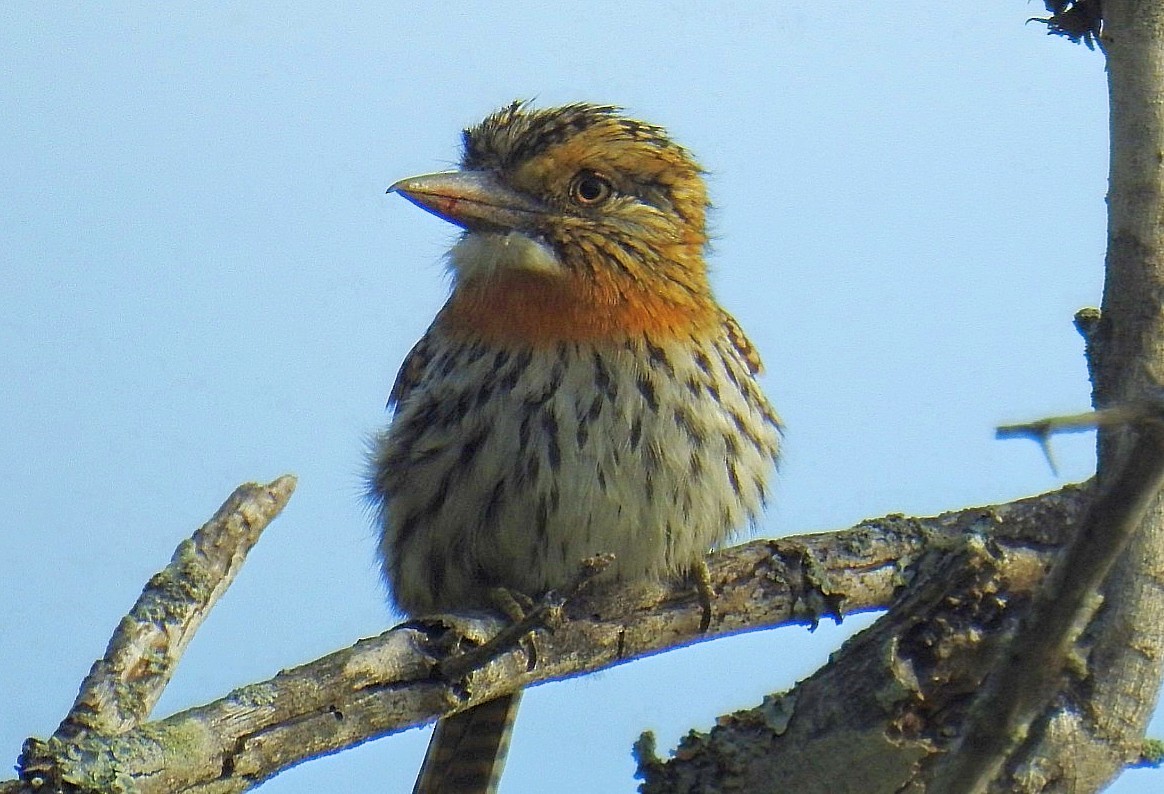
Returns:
point(547, 151)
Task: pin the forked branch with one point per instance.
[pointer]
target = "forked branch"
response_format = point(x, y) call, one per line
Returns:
point(391, 682)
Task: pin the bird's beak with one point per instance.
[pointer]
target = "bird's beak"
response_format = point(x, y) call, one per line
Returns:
point(471, 199)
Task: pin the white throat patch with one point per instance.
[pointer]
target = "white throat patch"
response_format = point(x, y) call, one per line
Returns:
point(485, 254)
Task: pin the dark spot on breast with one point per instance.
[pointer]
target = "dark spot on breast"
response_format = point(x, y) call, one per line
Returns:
point(595, 409)
point(686, 423)
point(602, 380)
point(651, 458)
point(703, 362)
point(542, 520)
point(533, 468)
point(746, 431)
point(493, 506)
point(404, 532)
point(733, 376)
point(430, 510)
point(556, 374)
point(553, 447)
point(482, 578)
point(636, 432)
point(647, 389)
point(731, 447)
point(424, 416)
point(761, 488)
point(549, 389)
point(523, 431)
point(509, 380)
point(476, 351)
point(484, 394)
point(657, 357)
point(733, 477)
point(470, 448)
point(456, 409)
point(448, 362)
point(696, 468)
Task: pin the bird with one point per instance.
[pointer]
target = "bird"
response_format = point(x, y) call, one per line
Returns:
point(580, 392)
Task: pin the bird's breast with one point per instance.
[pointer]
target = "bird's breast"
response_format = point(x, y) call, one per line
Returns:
point(510, 463)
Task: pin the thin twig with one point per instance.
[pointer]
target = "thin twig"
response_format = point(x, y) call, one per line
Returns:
point(1040, 431)
point(1116, 416)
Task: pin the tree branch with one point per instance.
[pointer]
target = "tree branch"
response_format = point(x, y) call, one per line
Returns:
point(389, 683)
point(1031, 672)
point(124, 685)
point(1097, 723)
point(937, 691)
point(889, 699)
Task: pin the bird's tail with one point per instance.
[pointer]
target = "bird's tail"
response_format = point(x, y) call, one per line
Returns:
point(467, 751)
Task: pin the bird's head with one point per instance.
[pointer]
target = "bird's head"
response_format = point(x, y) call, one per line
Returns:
point(579, 223)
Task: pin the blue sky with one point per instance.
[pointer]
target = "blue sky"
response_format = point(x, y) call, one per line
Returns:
point(203, 283)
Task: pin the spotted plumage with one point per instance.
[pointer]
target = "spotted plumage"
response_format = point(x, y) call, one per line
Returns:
point(581, 392)
point(462, 474)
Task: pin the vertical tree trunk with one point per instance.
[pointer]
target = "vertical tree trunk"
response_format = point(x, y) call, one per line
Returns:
point(1127, 657)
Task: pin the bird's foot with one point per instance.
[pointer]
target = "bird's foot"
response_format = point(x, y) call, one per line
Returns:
point(526, 616)
point(702, 577)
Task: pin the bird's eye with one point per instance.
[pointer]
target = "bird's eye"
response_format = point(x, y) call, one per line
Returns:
point(588, 189)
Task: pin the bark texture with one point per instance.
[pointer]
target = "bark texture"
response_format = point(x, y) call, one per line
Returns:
point(392, 682)
point(1111, 703)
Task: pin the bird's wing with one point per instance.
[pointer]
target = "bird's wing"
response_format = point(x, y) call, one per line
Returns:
point(410, 371)
point(741, 343)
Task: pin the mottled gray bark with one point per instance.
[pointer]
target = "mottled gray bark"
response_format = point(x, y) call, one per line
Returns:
point(1113, 699)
